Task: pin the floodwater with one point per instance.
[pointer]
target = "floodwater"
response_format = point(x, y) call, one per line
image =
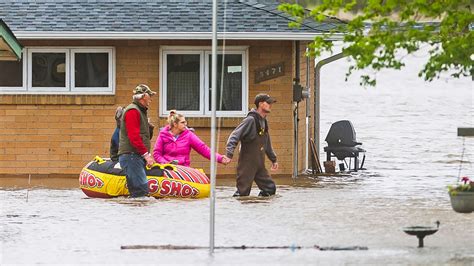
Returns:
point(408, 128)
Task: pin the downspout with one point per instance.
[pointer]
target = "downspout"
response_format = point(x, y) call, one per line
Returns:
point(317, 95)
point(296, 81)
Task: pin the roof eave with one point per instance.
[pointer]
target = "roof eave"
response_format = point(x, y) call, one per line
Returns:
point(10, 47)
point(66, 35)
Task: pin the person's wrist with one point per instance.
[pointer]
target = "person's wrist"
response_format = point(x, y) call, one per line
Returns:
point(146, 155)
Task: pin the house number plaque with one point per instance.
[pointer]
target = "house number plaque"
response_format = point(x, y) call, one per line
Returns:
point(269, 72)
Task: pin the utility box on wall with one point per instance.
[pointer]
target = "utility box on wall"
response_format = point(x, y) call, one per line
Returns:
point(297, 92)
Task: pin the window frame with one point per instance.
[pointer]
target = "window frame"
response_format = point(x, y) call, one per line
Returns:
point(110, 86)
point(204, 52)
point(70, 88)
point(29, 86)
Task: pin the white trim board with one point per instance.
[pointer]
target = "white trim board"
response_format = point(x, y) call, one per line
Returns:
point(107, 35)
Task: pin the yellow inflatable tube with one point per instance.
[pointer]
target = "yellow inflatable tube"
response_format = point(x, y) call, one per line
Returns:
point(103, 179)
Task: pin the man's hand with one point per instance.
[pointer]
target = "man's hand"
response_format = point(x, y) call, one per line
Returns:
point(274, 166)
point(226, 160)
point(149, 159)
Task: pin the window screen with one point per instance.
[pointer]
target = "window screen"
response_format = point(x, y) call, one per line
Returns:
point(183, 82)
point(48, 69)
point(229, 91)
point(11, 73)
point(91, 69)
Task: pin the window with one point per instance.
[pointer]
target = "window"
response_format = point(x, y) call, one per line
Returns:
point(231, 88)
point(48, 69)
point(92, 70)
point(183, 72)
point(186, 81)
point(60, 71)
point(11, 75)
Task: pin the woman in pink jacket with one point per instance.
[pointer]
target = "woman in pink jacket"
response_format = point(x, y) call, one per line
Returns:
point(175, 142)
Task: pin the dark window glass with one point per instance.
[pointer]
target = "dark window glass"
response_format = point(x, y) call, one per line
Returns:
point(91, 69)
point(11, 74)
point(183, 89)
point(48, 69)
point(229, 95)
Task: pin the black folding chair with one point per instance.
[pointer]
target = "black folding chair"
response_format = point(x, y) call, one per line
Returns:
point(342, 144)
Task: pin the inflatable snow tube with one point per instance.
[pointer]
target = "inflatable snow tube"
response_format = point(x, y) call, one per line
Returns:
point(105, 179)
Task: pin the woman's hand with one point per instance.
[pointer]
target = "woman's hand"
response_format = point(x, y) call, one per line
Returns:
point(226, 160)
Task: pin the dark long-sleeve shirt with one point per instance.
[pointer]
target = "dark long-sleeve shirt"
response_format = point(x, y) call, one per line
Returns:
point(247, 131)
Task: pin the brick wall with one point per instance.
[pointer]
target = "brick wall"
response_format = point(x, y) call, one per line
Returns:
point(58, 135)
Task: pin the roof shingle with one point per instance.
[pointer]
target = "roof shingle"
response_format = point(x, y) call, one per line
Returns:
point(149, 16)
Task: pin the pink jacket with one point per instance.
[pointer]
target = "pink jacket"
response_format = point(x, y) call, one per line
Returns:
point(167, 148)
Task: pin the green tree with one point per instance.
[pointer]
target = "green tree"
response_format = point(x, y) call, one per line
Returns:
point(380, 29)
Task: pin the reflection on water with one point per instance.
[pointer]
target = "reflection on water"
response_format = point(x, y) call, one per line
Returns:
point(409, 131)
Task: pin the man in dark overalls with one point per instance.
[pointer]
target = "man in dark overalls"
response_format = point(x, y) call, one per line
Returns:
point(255, 141)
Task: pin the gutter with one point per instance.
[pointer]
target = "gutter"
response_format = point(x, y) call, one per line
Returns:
point(107, 35)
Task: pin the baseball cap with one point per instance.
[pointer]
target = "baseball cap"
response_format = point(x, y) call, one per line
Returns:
point(263, 97)
point(142, 88)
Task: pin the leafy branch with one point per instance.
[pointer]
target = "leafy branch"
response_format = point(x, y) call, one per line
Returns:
point(382, 29)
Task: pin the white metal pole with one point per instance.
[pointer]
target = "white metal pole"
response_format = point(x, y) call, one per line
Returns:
point(213, 125)
point(308, 113)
